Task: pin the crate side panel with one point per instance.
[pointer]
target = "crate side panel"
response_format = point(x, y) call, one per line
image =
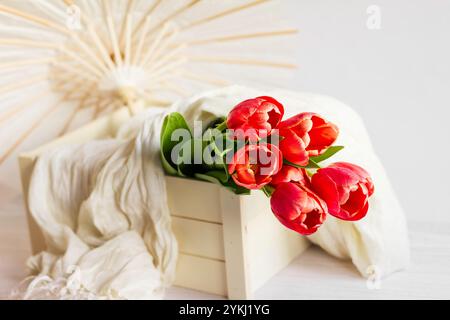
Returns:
point(199, 238)
point(271, 246)
point(201, 274)
point(193, 199)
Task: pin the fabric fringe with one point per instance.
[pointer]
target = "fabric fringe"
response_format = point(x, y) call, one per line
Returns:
point(43, 287)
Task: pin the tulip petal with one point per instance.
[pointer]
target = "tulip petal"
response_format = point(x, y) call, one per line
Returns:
point(321, 137)
point(285, 201)
point(289, 174)
point(274, 111)
point(362, 173)
point(344, 180)
point(298, 121)
point(352, 186)
point(313, 220)
point(326, 188)
point(258, 116)
point(293, 149)
point(254, 165)
point(317, 133)
point(356, 206)
point(296, 208)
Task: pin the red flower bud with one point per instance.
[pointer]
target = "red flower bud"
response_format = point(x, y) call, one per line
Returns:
point(304, 135)
point(298, 208)
point(254, 165)
point(255, 118)
point(290, 174)
point(345, 188)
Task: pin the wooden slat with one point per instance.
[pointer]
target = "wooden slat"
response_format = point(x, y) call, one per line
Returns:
point(242, 61)
point(269, 243)
point(225, 13)
point(239, 37)
point(191, 235)
point(235, 244)
point(194, 199)
point(201, 274)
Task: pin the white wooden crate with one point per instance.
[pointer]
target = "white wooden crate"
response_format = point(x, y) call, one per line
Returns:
point(229, 245)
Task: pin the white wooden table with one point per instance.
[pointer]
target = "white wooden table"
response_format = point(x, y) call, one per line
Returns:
point(313, 275)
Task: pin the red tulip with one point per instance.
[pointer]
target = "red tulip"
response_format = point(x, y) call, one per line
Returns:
point(345, 188)
point(255, 118)
point(254, 165)
point(298, 208)
point(290, 174)
point(304, 135)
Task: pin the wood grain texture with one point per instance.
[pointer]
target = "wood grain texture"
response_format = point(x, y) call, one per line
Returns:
point(209, 275)
point(271, 246)
point(314, 275)
point(235, 244)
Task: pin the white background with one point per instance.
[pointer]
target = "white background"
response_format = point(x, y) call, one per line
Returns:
point(397, 78)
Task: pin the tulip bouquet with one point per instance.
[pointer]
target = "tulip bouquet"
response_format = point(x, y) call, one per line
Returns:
point(255, 149)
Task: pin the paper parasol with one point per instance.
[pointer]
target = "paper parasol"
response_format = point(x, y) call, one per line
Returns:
point(63, 63)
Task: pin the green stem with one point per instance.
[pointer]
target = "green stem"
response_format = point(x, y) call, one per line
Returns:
point(268, 190)
point(222, 126)
point(310, 165)
point(310, 173)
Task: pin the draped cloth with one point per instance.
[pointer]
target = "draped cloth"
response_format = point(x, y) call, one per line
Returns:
point(102, 205)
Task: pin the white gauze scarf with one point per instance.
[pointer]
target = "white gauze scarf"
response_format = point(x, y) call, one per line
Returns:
point(102, 206)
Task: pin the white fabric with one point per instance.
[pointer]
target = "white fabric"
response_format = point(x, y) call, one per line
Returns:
point(102, 208)
point(102, 205)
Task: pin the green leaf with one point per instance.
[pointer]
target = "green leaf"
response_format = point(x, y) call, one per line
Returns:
point(218, 177)
point(215, 157)
point(168, 167)
point(311, 164)
point(187, 163)
point(310, 173)
point(268, 190)
point(222, 126)
point(215, 123)
point(171, 122)
point(233, 187)
point(327, 154)
point(211, 177)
